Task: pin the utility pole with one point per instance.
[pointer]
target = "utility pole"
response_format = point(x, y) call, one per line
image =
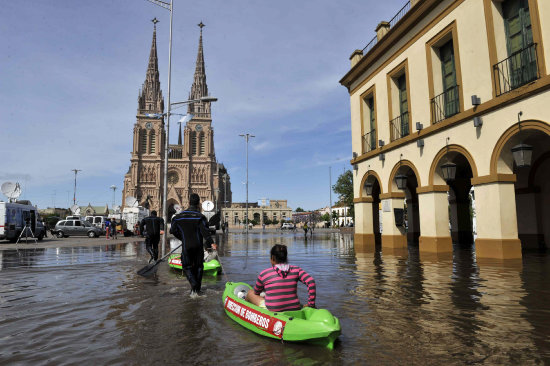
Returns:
point(330, 194)
point(75, 173)
point(247, 136)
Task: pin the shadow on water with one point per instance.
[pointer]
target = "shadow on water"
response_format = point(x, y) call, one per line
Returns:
point(87, 305)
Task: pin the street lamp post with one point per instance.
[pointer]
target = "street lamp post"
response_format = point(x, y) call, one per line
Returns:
point(166, 151)
point(74, 194)
point(247, 136)
point(113, 187)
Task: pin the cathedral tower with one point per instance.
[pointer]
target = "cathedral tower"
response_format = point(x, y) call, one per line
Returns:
point(146, 161)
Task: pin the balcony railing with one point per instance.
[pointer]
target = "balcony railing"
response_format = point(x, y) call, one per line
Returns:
point(369, 141)
point(397, 17)
point(399, 126)
point(175, 152)
point(445, 104)
point(517, 70)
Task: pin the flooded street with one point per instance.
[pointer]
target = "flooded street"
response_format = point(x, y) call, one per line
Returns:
point(86, 305)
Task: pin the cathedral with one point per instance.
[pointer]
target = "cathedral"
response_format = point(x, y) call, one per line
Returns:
point(192, 164)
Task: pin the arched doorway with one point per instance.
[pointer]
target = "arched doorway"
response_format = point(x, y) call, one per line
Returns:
point(454, 166)
point(532, 177)
point(404, 178)
point(371, 188)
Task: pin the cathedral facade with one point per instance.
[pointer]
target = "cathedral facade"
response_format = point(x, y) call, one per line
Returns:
point(192, 163)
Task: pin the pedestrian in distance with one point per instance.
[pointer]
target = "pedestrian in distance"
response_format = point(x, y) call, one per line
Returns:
point(280, 283)
point(113, 228)
point(153, 227)
point(107, 229)
point(191, 227)
point(306, 228)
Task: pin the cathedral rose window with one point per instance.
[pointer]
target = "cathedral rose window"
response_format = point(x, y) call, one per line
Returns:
point(173, 177)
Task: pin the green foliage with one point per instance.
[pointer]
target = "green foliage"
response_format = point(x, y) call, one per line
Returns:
point(325, 217)
point(299, 209)
point(275, 222)
point(267, 221)
point(344, 189)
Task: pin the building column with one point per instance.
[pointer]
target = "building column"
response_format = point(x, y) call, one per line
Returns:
point(393, 236)
point(497, 228)
point(434, 226)
point(364, 224)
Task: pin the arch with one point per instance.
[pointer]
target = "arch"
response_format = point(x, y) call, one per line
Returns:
point(451, 148)
point(511, 131)
point(370, 173)
point(396, 168)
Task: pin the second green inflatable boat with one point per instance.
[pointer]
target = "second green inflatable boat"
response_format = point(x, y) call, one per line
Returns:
point(211, 268)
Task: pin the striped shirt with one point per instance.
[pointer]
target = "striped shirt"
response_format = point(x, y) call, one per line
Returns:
point(280, 286)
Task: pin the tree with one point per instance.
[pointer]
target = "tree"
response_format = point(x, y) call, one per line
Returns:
point(299, 209)
point(267, 221)
point(325, 217)
point(335, 218)
point(344, 189)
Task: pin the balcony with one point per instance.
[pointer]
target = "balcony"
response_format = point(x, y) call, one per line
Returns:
point(445, 105)
point(369, 141)
point(399, 127)
point(517, 70)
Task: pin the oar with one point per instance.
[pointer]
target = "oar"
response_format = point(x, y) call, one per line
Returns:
point(152, 268)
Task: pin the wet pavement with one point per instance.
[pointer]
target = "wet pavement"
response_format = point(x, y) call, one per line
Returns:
point(86, 305)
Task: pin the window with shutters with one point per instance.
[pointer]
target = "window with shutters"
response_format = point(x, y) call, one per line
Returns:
point(193, 137)
point(517, 49)
point(202, 144)
point(398, 101)
point(443, 63)
point(153, 142)
point(368, 117)
point(143, 141)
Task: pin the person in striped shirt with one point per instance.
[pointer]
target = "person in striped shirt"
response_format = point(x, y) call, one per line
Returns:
point(280, 283)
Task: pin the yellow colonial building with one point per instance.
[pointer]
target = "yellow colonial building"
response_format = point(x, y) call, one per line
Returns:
point(450, 116)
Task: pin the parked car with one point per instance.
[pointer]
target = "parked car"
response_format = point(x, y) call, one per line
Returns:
point(65, 228)
point(287, 225)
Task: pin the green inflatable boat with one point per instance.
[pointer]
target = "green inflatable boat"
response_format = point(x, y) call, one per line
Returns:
point(211, 268)
point(317, 326)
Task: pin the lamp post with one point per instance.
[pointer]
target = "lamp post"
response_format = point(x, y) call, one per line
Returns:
point(167, 148)
point(247, 136)
point(113, 187)
point(74, 194)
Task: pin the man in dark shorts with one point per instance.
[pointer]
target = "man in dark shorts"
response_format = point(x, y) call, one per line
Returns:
point(191, 227)
point(154, 227)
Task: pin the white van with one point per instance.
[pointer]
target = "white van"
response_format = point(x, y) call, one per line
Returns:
point(97, 221)
point(13, 216)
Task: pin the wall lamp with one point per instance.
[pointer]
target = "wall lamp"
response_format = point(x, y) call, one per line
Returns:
point(419, 126)
point(380, 143)
point(420, 143)
point(522, 153)
point(478, 122)
point(382, 157)
point(476, 100)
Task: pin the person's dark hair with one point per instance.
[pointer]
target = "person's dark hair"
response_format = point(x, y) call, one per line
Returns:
point(279, 253)
point(194, 199)
point(153, 213)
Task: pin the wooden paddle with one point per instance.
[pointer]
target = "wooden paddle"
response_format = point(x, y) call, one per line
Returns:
point(152, 268)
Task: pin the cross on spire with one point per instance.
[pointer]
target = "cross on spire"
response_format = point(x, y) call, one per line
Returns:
point(155, 21)
point(201, 25)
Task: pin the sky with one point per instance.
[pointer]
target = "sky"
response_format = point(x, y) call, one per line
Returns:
point(70, 72)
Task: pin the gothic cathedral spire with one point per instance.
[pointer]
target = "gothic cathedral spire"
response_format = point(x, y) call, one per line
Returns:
point(199, 88)
point(150, 99)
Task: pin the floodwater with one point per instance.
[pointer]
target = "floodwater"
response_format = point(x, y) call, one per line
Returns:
point(87, 306)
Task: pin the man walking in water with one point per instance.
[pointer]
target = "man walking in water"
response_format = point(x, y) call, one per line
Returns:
point(154, 227)
point(191, 227)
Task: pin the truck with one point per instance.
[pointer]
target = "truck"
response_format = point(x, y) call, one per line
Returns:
point(134, 215)
point(14, 216)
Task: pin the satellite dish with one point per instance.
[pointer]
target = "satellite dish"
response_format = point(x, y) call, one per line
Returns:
point(208, 206)
point(11, 190)
point(131, 201)
point(75, 210)
point(116, 209)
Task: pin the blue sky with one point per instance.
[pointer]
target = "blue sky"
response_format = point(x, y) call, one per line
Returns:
point(71, 71)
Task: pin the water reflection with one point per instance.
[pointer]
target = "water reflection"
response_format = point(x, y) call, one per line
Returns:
point(395, 307)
